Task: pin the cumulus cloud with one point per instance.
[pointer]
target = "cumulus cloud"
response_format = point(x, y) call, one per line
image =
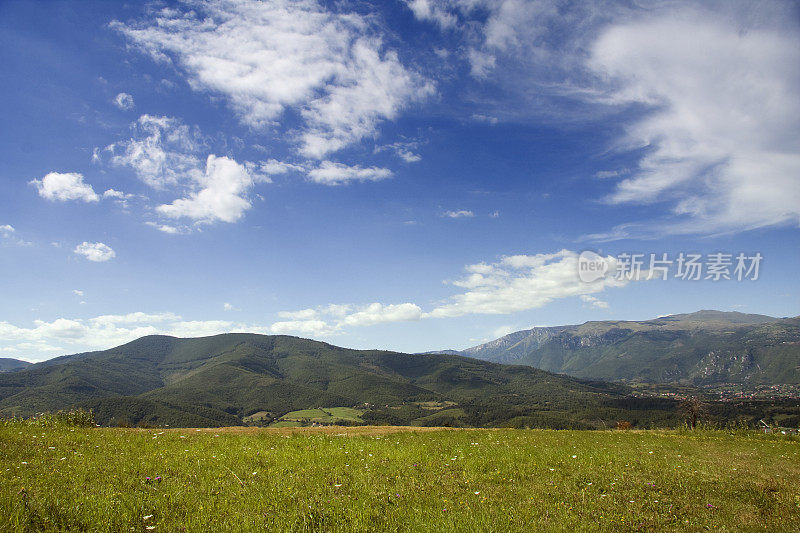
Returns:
point(58, 186)
point(165, 154)
point(124, 101)
point(511, 284)
point(221, 197)
point(521, 282)
point(95, 251)
point(330, 173)
point(265, 58)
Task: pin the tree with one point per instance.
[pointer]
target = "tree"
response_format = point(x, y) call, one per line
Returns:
point(693, 409)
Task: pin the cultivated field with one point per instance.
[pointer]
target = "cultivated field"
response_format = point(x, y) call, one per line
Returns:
point(394, 479)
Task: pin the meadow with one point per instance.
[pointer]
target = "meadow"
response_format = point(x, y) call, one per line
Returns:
point(61, 478)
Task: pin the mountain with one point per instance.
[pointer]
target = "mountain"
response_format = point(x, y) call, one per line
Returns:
point(703, 349)
point(222, 379)
point(10, 365)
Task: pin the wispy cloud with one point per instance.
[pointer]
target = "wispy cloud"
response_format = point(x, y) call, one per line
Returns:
point(331, 173)
point(706, 94)
point(461, 213)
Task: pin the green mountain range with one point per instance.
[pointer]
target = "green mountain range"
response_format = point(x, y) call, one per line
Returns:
point(10, 365)
point(702, 349)
point(231, 378)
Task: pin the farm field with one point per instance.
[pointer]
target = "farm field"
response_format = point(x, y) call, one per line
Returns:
point(394, 479)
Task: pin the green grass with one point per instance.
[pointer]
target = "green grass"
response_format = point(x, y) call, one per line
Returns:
point(392, 479)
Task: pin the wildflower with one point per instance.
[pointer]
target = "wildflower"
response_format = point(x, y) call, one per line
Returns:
point(148, 517)
point(709, 506)
point(477, 492)
point(147, 479)
point(158, 479)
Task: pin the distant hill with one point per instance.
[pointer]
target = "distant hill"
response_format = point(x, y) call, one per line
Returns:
point(219, 380)
point(10, 365)
point(703, 349)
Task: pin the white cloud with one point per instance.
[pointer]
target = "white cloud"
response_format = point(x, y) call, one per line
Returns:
point(124, 101)
point(521, 282)
point(330, 173)
point(312, 328)
point(377, 313)
point(228, 307)
point(333, 319)
point(222, 195)
point(163, 152)
point(117, 195)
point(65, 186)
point(707, 91)
point(721, 139)
point(77, 292)
point(265, 58)
point(434, 11)
point(8, 235)
point(273, 167)
point(594, 302)
point(403, 150)
point(167, 228)
point(462, 213)
point(95, 251)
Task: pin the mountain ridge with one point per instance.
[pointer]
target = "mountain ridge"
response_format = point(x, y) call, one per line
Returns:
point(223, 379)
point(703, 348)
point(12, 365)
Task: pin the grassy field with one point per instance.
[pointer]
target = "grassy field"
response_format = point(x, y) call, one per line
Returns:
point(394, 479)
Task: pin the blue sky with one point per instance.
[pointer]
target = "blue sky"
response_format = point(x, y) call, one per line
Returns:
point(401, 175)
